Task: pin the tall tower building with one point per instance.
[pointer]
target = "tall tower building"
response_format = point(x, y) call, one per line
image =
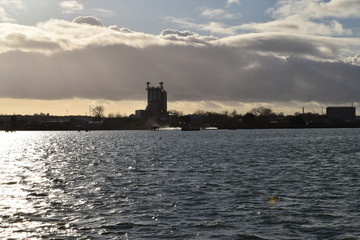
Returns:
point(157, 101)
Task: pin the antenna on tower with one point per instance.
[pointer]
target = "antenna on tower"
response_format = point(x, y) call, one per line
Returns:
point(161, 85)
point(147, 85)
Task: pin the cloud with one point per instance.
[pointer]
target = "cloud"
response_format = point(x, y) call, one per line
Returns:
point(123, 30)
point(12, 3)
point(183, 34)
point(88, 20)
point(310, 17)
point(187, 36)
point(71, 6)
point(355, 60)
point(313, 17)
point(62, 59)
point(233, 2)
point(217, 14)
point(295, 24)
point(5, 6)
point(212, 27)
point(317, 9)
point(284, 45)
point(4, 16)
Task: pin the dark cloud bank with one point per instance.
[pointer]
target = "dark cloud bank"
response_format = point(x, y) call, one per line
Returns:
point(255, 68)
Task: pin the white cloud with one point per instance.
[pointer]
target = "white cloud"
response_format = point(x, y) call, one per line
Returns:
point(212, 27)
point(12, 3)
point(294, 24)
point(123, 30)
point(317, 9)
point(71, 6)
point(217, 14)
point(61, 59)
point(4, 16)
point(233, 2)
point(312, 17)
point(355, 60)
point(7, 6)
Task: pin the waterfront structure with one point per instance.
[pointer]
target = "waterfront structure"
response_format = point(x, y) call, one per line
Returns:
point(156, 109)
point(347, 114)
point(157, 101)
point(140, 114)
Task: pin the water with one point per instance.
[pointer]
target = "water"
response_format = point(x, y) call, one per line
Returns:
point(243, 184)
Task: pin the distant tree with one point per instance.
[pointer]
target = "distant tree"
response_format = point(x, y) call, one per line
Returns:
point(98, 111)
point(225, 113)
point(233, 114)
point(261, 111)
point(41, 114)
point(116, 115)
point(176, 113)
point(119, 115)
point(200, 112)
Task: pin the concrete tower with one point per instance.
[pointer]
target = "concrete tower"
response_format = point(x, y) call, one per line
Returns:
point(157, 101)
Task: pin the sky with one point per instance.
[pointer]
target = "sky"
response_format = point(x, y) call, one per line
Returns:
point(62, 56)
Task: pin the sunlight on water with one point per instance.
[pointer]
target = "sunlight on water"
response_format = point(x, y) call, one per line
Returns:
point(251, 184)
point(12, 196)
point(22, 176)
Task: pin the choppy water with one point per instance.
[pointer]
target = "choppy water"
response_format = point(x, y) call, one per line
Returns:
point(244, 184)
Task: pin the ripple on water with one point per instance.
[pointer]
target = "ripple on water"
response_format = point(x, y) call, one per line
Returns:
point(180, 185)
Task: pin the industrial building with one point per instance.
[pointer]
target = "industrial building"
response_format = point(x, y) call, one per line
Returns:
point(346, 114)
point(156, 104)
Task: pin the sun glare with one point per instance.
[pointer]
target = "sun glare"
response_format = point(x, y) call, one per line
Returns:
point(19, 173)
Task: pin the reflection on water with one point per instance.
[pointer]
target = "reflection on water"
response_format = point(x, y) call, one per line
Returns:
point(26, 194)
point(17, 171)
point(245, 184)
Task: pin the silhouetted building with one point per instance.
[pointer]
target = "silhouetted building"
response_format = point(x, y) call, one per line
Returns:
point(156, 104)
point(157, 101)
point(140, 114)
point(347, 114)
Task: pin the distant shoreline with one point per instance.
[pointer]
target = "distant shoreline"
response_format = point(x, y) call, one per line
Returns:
point(206, 120)
point(166, 129)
